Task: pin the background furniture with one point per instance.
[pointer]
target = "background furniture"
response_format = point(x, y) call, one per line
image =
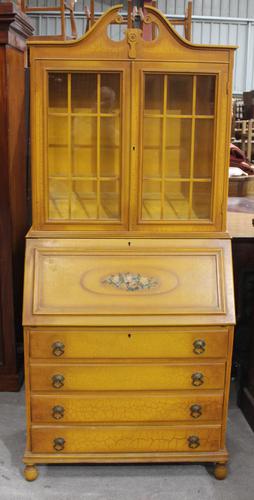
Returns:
point(14, 30)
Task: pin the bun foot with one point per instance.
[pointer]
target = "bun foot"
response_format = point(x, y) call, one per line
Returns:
point(220, 471)
point(30, 472)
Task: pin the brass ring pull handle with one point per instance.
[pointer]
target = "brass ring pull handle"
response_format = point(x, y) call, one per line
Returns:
point(193, 442)
point(199, 346)
point(58, 412)
point(197, 379)
point(196, 411)
point(58, 348)
point(58, 444)
point(58, 381)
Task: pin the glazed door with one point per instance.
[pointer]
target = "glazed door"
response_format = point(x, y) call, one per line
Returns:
point(83, 177)
point(174, 156)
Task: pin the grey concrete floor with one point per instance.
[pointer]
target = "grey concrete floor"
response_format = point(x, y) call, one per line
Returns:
point(122, 482)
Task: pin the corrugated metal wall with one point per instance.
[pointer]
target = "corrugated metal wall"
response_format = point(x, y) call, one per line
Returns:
point(214, 21)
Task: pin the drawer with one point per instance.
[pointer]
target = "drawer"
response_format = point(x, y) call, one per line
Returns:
point(129, 343)
point(89, 377)
point(117, 407)
point(101, 439)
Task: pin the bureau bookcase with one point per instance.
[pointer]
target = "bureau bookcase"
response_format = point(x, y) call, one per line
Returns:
point(128, 297)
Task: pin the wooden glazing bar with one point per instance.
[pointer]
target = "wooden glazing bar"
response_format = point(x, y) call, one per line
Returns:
point(163, 145)
point(176, 179)
point(192, 143)
point(89, 114)
point(69, 142)
point(98, 155)
point(84, 178)
point(158, 115)
point(110, 146)
point(57, 113)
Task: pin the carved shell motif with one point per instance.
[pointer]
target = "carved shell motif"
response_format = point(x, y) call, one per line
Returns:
point(131, 282)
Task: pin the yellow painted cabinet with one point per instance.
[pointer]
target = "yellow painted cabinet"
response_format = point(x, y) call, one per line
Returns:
point(135, 143)
point(122, 348)
point(128, 295)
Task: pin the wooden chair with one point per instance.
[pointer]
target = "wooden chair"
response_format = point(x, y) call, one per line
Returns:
point(131, 14)
point(61, 9)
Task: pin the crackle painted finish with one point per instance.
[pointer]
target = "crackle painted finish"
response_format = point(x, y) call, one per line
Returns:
point(134, 407)
point(128, 298)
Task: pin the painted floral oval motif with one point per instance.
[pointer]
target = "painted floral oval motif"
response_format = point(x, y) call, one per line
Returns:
point(131, 282)
point(151, 280)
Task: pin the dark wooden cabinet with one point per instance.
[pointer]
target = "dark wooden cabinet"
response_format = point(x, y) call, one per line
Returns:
point(243, 358)
point(14, 30)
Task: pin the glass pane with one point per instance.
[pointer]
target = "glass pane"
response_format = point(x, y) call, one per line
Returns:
point(154, 93)
point(109, 161)
point(84, 200)
point(57, 130)
point(58, 92)
point(205, 95)
point(152, 132)
point(58, 199)
point(201, 200)
point(110, 131)
point(203, 154)
point(178, 147)
point(151, 201)
point(84, 131)
point(84, 161)
point(110, 92)
point(84, 93)
point(179, 99)
point(176, 201)
point(84, 151)
point(152, 142)
point(109, 196)
point(84, 148)
point(58, 164)
point(109, 146)
point(152, 162)
point(178, 150)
